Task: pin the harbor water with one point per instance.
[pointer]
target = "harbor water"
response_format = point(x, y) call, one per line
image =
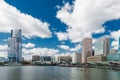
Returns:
point(56, 73)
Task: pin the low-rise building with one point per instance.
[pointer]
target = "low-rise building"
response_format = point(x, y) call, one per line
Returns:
point(114, 57)
point(65, 59)
point(113, 51)
point(97, 58)
point(35, 58)
point(46, 59)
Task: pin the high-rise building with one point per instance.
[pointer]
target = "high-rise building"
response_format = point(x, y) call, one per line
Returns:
point(115, 56)
point(119, 45)
point(86, 49)
point(15, 46)
point(102, 46)
point(76, 58)
point(106, 46)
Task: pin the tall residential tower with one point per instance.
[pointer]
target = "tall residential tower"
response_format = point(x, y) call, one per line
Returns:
point(86, 49)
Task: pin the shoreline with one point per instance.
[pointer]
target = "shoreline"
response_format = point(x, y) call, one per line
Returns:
point(78, 66)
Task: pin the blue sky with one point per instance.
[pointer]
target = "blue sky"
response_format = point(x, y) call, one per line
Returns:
point(59, 25)
point(46, 11)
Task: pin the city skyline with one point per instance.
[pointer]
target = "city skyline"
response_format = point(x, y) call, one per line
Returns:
point(59, 27)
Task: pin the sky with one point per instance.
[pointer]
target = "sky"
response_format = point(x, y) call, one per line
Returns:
point(57, 27)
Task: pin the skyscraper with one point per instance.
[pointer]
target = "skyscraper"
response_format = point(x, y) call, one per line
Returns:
point(102, 46)
point(115, 56)
point(86, 49)
point(15, 46)
point(119, 45)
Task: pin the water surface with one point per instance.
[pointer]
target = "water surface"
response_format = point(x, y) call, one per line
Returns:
point(56, 73)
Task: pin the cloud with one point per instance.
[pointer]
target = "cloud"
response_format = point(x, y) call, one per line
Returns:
point(12, 18)
point(76, 48)
point(3, 47)
point(3, 50)
point(29, 45)
point(115, 35)
point(62, 36)
point(85, 18)
point(27, 53)
point(65, 47)
point(63, 54)
point(58, 7)
point(5, 40)
point(115, 44)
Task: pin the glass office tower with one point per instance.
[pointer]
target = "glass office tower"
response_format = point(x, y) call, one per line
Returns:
point(102, 46)
point(119, 45)
point(15, 46)
point(116, 56)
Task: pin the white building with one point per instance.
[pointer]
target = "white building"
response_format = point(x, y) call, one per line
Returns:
point(56, 58)
point(76, 58)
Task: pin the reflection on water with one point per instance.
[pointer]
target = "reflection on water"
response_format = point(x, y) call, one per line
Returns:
point(56, 73)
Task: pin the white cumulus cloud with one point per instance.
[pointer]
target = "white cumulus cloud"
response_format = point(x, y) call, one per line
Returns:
point(85, 17)
point(115, 35)
point(3, 47)
point(28, 53)
point(29, 45)
point(64, 54)
point(76, 48)
point(65, 47)
point(62, 36)
point(3, 50)
point(11, 17)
